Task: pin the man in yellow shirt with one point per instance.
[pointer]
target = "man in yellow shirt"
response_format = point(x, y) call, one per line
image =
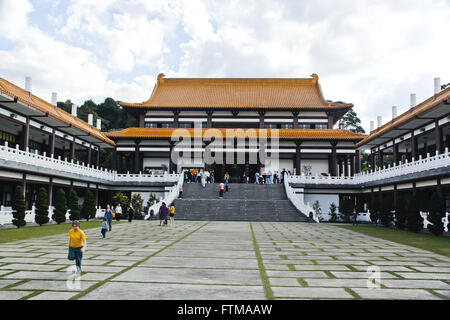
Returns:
point(77, 244)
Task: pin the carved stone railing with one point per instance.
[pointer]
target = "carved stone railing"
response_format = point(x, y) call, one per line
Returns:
point(69, 167)
point(397, 170)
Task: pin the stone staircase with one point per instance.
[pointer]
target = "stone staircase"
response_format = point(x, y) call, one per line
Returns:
point(243, 202)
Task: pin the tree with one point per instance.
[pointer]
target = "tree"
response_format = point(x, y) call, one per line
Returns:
point(89, 209)
point(317, 210)
point(18, 206)
point(400, 213)
point(346, 206)
point(350, 121)
point(66, 106)
point(59, 213)
point(414, 221)
point(123, 200)
point(436, 212)
point(88, 107)
point(385, 212)
point(41, 213)
point(137, 202)
point(73, 206)
point(333, 209)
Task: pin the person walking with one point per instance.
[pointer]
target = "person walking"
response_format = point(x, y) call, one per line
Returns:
point(257, 178)
point(109, 215)
point(162, 213)
point(130, 212)
point(355, 217)
point(221, 188)
point(226, 185)
point(227, 176)
point(77, 244)
point(203, 177)
point(181, 191)
point(212, 176)
point(118, 212)
point(172, 214)
point(104, 227)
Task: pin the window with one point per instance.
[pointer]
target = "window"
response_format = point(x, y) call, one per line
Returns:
point(304, 126)
point(286, 126)
point(185, 125)
point(151, 125)
point(167, 125)
point(321, 126)
point(270, 125)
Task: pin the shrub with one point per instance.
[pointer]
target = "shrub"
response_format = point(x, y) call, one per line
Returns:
point(333, 209)
point(121, 198)
point(414, 221)
point(59, 213)
point(137, 203)
point(41, 213)
point(435, 214)
point(400, 213)
point(346, 206)
point(73, 206)
point(89, 210)
point(317, 210)
point(385, 212)
point(18, 206)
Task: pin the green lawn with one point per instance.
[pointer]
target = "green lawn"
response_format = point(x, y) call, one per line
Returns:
point(15, 234)
point(429, 242)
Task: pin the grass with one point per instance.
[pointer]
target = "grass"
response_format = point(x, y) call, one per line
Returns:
point(24, 233)
point(429, 242)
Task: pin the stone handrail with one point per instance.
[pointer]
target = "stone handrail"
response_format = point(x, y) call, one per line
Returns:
point(423, 164)
point(28, 158)
point(298, 202)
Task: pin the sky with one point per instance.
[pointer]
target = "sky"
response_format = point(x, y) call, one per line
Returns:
point(369, 53)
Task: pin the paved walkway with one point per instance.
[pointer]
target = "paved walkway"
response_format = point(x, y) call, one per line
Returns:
point(223, 260)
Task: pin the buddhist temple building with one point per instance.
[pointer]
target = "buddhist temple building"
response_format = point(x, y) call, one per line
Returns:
point(308, 138)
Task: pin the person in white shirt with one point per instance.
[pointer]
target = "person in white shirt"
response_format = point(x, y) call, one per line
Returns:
point(118, 212)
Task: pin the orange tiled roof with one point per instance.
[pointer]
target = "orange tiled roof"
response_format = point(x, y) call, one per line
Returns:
point(237, 92)
point(35, 102)
point(314, 134)
point(408, 115)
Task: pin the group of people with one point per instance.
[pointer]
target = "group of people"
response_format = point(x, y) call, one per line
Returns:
point(198, 176)
point(165, 211)
point(268, 177)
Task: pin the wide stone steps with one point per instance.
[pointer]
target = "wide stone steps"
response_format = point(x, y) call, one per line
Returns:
point(242, 203)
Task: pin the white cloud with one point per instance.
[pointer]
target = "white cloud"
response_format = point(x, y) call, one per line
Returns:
point(370, 53)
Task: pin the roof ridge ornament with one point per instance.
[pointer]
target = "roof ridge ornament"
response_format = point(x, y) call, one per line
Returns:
point(160, 77)
point(315, 78)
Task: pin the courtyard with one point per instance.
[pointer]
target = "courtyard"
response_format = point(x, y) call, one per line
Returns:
point(222, 261)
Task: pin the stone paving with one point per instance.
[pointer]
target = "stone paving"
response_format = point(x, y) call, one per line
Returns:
point(222, 261)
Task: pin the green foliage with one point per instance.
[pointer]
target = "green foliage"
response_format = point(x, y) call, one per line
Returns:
point(41, 212)
point(18, 206)
point(400, 213)
point(414, 221)
point(346, 205)
point(333, 210)
point(73, 206)
point(89, 210)
point(59, 212)
point(137, 202)
point(436, 212)
point(385, 211)
point(121, 198)
point(351, 122)
point(317, 210)
point(66, 106)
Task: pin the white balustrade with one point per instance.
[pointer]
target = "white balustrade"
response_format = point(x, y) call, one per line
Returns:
point(423, 164)
point(297, 201)
point(28, 158)
point(171, 196)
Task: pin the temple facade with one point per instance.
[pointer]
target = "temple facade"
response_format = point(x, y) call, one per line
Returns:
point(234, 125)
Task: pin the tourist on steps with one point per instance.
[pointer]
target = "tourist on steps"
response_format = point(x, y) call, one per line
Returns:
point(221, 188)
